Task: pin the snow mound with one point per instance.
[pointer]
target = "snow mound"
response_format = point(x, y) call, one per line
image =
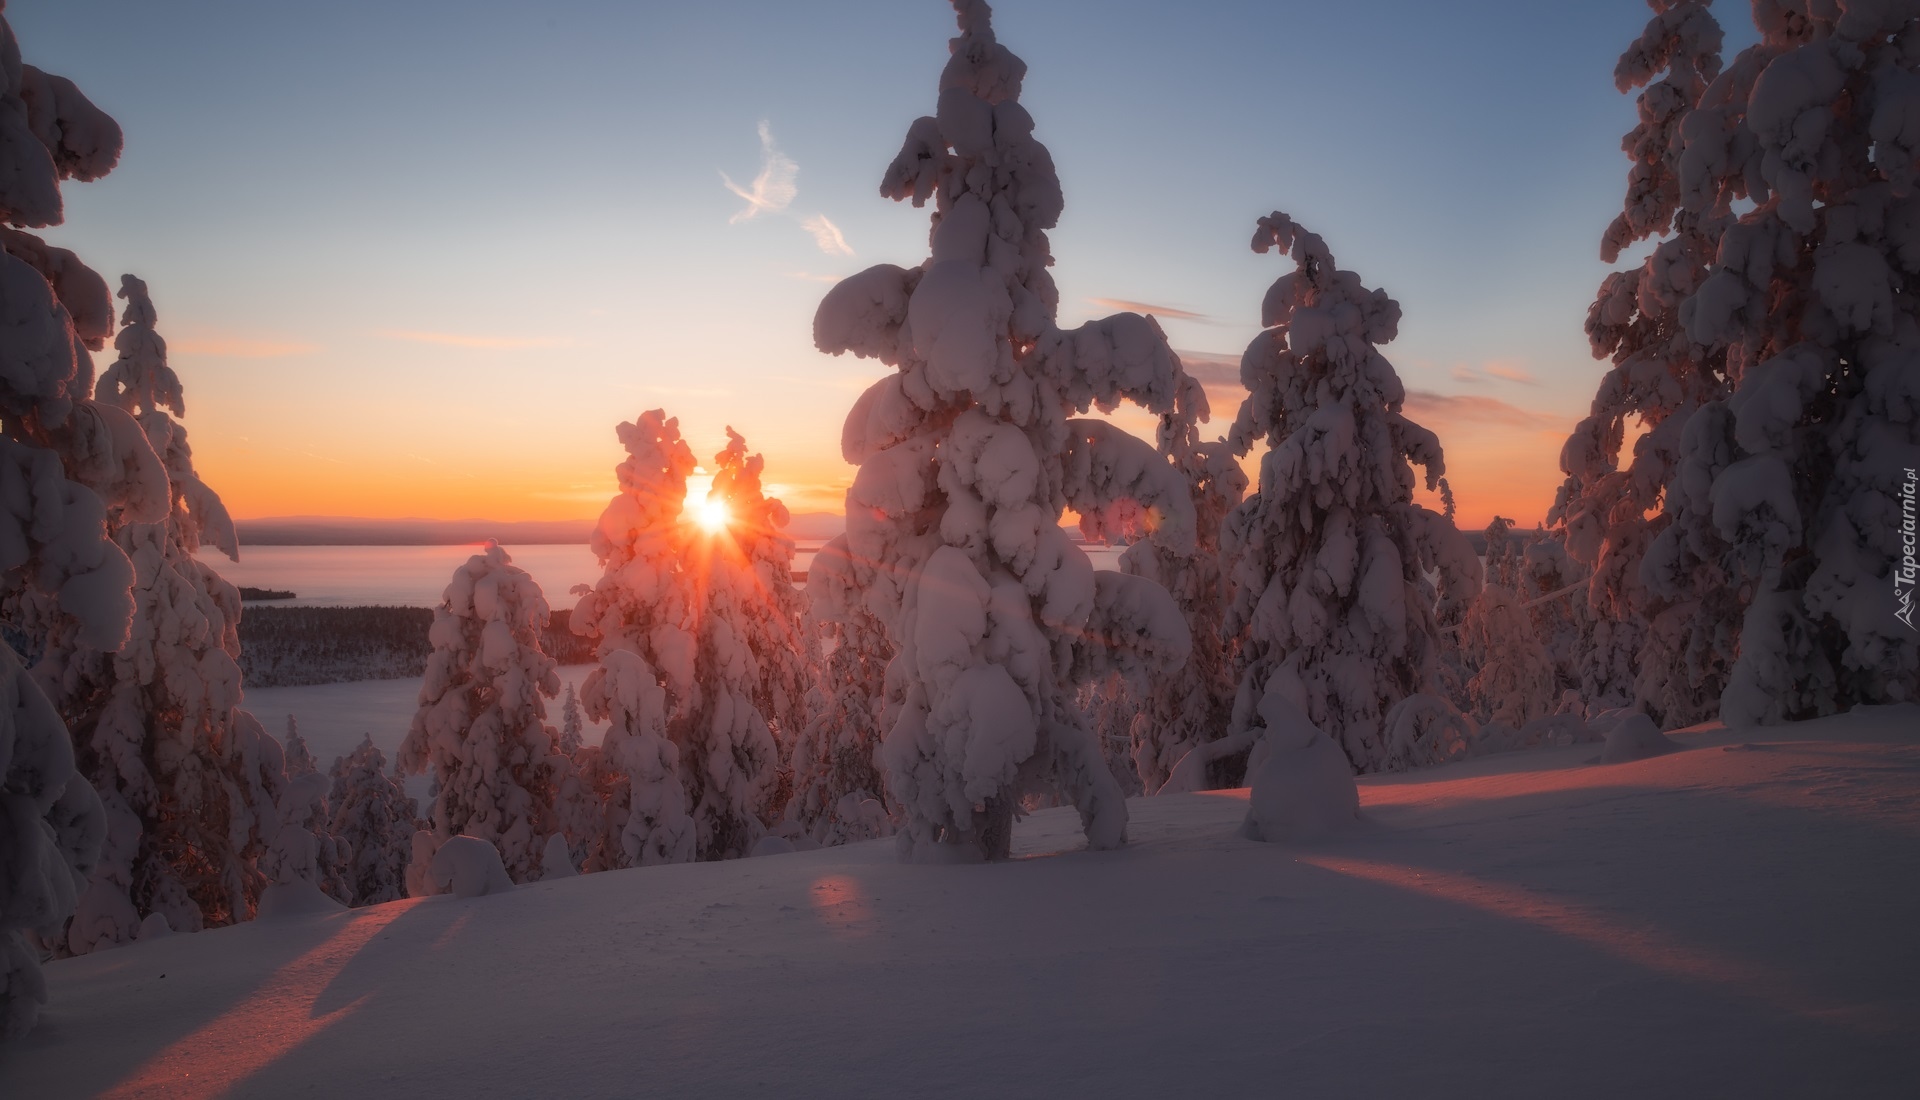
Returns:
point(771, 845)
point(1635, 737)
point(1302, 784)
point(283, 900)
point(471, 867)
point(154, 927)
point(555, 860)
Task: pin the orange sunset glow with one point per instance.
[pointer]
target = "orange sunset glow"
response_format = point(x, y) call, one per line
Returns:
point(959, 549)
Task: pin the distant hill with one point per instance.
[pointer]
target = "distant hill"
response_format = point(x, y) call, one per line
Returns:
point(354, 531)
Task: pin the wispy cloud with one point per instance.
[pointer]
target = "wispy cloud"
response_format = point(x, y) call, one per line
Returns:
point(1169, 312)
point(239, 347)
point(1496, 370)
point(1511, 374)
point(1220, 375)
point(1433, 409)
point(773, 192)
point(827, 235)
point(773, 189)
point(471, 340)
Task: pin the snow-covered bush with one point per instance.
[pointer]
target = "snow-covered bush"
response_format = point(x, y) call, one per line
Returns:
point(373, 815)
point(468, 867)
point(1784, 517)
point(1606, 513)
point(1329, 558)
point(1635, 737)
point(969, 456)
point(481, 726)
point(1302, 784)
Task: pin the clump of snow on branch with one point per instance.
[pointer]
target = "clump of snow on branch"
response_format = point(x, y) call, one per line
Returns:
point(969, 455)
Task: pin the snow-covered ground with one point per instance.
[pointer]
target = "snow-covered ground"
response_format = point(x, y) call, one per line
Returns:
point(1738, 919)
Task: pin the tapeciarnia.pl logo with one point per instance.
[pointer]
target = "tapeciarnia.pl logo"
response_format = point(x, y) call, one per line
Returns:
point(1906, 572)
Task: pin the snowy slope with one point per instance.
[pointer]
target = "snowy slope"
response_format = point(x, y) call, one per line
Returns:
point(1737, 919)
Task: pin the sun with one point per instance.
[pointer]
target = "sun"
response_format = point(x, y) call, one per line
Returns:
point(712, 515)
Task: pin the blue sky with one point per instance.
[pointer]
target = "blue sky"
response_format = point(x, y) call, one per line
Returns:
point(417, 258)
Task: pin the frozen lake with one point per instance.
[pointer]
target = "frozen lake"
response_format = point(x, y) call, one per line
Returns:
point(414, 576)
point(334, 717)
point(404, 576)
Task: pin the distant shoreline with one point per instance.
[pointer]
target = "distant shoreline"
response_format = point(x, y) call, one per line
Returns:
point(353, 531)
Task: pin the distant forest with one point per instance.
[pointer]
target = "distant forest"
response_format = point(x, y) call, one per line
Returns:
point(297, 646)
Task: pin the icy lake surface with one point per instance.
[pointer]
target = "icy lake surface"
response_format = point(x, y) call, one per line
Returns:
point(334, 717)
point(402, 576)
point(414, 576)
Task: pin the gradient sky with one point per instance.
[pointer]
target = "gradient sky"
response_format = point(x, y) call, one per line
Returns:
point(418, 258)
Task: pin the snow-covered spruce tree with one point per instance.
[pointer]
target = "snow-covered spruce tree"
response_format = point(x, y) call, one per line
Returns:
point(750, 601)
point(570, 725)
point(1606, 512)
point(703, 654)
point(1328, 559)
point(1497, 668)
point(839, 780)
point(374, 816)
point(1181, 708)
point(1788, 496)
point(1512, 680)
point(190, 780)
point(582, 789)
point(481, 726)
point(57, 565)
point(642, 614)
point(968, 457)
point(303, 847)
